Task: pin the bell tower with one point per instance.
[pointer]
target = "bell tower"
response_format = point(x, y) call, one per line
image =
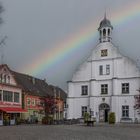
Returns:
point(105, 30)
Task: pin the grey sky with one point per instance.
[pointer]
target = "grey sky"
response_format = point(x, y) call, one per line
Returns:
point(34, 25)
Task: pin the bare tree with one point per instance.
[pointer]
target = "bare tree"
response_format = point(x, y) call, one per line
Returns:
point(1, 10)
point(2, 41)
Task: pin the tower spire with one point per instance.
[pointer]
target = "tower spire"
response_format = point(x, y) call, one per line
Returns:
point(105, 14)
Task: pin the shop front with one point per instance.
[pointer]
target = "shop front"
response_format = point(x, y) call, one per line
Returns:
point(10, 116)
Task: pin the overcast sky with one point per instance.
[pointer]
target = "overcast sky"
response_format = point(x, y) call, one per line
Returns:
point(33, 26)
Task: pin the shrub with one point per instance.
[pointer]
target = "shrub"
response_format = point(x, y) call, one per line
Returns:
point(86, 116)
point(111, 118)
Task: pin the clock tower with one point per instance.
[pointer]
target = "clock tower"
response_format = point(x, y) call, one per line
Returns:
point(105, 30)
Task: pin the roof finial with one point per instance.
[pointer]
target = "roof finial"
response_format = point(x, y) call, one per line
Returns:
point(105, 14)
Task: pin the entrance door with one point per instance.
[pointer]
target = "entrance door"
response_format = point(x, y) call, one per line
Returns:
point(106, 115)
point(103, 112)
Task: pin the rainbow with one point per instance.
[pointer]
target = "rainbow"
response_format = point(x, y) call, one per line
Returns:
point(77, 41)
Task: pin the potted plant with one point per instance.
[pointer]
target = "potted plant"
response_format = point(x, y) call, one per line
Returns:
point(86, 117)
point(111, 118)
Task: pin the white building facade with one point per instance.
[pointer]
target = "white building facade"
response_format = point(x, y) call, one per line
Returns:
point(106, 82)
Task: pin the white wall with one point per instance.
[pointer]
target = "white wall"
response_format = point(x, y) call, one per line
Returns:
point(83, 73)
point(74, 107)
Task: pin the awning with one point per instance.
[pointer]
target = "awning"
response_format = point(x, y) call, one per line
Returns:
point(12, 110)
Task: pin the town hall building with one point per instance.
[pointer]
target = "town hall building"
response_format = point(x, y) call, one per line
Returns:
point(106, 82)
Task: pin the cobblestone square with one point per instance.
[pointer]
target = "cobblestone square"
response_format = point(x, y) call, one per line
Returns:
point(70, 132)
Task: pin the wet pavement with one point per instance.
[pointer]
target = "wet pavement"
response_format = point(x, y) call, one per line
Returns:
point(71, 132)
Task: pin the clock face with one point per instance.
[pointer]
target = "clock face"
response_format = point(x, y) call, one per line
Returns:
point(104, 52)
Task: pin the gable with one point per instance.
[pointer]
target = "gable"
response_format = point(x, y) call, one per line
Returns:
point(105, 50)
point(6, 76)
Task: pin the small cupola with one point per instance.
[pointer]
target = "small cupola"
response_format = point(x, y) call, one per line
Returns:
point(105, 30)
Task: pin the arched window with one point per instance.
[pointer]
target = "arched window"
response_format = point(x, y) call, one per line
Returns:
point(104, 106)
point(108, 32)
point(104, 32)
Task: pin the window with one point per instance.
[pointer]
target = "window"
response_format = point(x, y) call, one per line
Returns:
point(104, 89)
point(104, 32)
point(8, 96)
point(125, 111)
point(28, 101)
point(84, 110)
point(33, 102)
point(107, 69)
point(84, 90)
point(108, 32)
point(103, 53)
point(16, 97)
point(12, 116)
point(100, 70)
point(125, 88)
